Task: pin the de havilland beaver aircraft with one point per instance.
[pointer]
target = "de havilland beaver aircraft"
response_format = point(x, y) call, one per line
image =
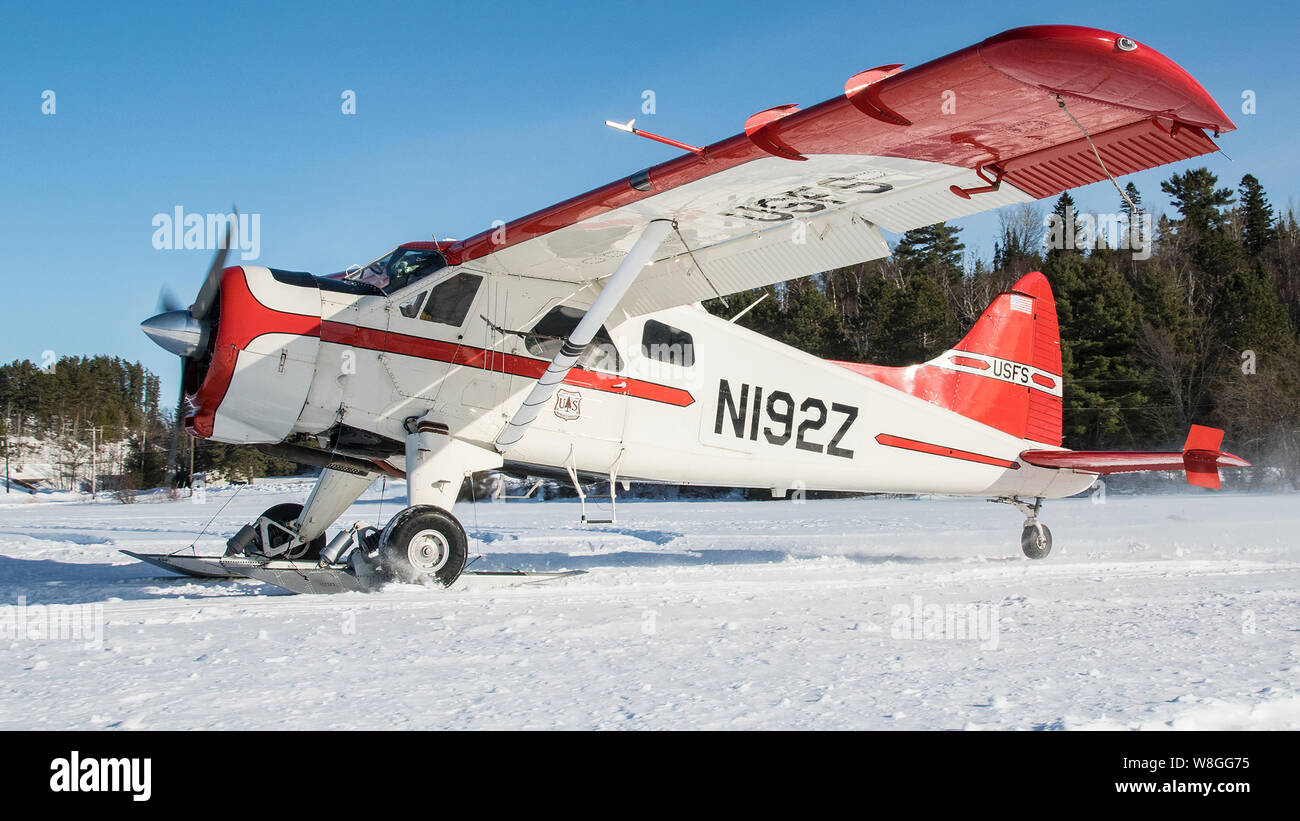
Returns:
point(572, 342)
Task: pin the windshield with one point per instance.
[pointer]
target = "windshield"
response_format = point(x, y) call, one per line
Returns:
point(400, 268)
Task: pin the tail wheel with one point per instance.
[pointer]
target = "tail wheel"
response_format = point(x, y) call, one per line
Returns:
point(286, 514)
point(1036, 540)
point(423, 544)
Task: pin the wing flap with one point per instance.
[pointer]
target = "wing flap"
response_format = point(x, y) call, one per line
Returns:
point(1125, 150)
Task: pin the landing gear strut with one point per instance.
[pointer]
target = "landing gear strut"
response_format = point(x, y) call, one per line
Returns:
point(273, 535)
point(1035, 539)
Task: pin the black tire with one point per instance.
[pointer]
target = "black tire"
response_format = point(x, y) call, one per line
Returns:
point(284, 514)
point(1034, 547)
point(423, 544)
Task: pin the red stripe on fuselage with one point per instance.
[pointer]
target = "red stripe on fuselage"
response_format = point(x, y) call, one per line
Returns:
point(940, 450)
point(355, 336)
point(244, 319)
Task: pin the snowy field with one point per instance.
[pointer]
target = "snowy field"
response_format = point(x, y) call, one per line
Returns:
point(1177, 611)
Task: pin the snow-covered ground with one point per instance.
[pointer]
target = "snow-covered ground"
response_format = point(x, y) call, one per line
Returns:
point(1176, 611)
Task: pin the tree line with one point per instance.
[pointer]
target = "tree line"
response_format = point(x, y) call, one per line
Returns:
point(56, 412)
point(1164, 322)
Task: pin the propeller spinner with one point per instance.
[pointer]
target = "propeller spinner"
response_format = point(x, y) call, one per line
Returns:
point(184, 331)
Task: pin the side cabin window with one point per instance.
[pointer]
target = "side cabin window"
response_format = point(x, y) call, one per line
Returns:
point(450, 301)
point(548, 335)
point(664, 343)
point(411, 307)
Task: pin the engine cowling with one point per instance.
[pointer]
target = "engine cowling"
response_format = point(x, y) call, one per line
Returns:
point(253, 383)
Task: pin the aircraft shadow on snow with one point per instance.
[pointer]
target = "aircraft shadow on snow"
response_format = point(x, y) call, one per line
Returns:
point(46, 581)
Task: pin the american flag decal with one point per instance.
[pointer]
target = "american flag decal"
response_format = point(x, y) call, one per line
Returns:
point(1023, 304)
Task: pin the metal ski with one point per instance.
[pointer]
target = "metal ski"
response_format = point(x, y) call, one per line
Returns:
point(305, 577)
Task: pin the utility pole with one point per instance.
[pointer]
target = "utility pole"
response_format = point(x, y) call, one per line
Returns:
point(7, 448)
point(94, 464)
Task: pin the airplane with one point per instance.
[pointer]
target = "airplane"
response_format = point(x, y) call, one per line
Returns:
point(572, 342)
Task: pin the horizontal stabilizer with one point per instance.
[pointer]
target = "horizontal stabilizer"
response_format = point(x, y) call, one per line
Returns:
point(1200, 458)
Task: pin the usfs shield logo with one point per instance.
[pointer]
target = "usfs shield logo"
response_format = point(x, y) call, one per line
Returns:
point(568, 405)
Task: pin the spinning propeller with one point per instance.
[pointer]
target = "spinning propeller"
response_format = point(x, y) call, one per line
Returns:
point(185, 331)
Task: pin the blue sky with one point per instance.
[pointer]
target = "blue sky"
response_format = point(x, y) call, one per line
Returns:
point(466, 113)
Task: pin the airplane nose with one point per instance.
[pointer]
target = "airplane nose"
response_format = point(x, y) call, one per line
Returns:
point(177, 332)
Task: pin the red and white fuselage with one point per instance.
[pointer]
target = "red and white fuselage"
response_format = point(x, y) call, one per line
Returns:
point(721, 406)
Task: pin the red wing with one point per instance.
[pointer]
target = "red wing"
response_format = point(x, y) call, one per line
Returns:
point(889, 152)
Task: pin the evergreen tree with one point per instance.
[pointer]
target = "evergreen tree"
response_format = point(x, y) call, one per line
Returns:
point(1099, 317)
point(909, 324)
point(1194, 194)
point(1257, 217)
point(1203, 226)
point(933, 251)
point(1065, 231)
point(1131, 208)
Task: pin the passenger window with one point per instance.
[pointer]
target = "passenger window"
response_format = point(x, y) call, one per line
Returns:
point(451, 300)
point(411, 307)
point(549, 333)
point(664, 343)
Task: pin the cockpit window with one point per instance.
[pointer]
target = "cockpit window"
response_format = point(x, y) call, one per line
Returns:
point(550, 332)
point(399, 269)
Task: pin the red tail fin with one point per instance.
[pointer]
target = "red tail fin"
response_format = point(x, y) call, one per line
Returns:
point(1006, 372)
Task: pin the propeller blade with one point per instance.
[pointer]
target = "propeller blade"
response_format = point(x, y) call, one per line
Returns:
point(212, 282)
point(168, 301)
point(178, 423)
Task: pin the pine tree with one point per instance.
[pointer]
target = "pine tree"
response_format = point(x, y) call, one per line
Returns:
point(933, 251)
point(910, 324)
point(1203, 226)
point(1063, 238)
point(1194, 194)
point(1258, 230)
point(1099, 317)
point(1131, 208)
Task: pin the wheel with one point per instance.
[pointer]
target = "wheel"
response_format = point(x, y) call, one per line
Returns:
point(284, 514)
point(423, 544)
point(1036, 541)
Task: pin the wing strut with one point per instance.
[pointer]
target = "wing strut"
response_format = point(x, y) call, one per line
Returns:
point(622, 278)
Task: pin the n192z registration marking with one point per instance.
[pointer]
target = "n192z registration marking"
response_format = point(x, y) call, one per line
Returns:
point(787, 420)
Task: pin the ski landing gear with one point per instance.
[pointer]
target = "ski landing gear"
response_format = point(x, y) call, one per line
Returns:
point(422, 544)
point(1035, 539)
